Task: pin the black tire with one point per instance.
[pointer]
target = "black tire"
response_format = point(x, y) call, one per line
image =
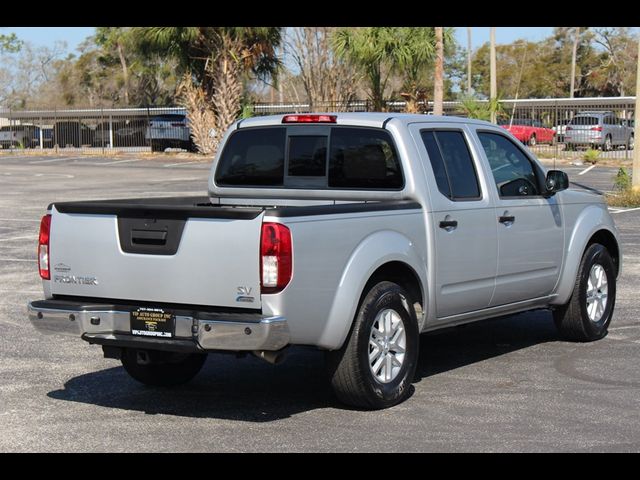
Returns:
point(158, 146)
point(572, 319)
point(349, 370)
point(161, 369)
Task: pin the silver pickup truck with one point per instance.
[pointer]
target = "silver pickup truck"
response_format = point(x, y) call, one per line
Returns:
point(351, 233)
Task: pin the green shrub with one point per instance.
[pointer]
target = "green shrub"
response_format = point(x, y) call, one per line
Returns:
point(591, 156)
point(622, 181)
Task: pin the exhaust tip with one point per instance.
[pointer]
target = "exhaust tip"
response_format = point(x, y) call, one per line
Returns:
point(273, 357)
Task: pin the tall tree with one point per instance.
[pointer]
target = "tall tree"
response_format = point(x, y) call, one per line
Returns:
point(325, 78)
point(118, 39)
point(216, 59)
point(574, 53)
point(438, 73)
point(10, 43)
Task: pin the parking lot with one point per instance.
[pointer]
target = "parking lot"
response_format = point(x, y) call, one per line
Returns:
point(503, 385)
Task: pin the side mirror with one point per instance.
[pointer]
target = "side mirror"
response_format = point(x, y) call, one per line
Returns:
point(556, 181)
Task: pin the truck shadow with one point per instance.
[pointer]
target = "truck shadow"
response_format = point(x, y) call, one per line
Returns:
point(251, 390)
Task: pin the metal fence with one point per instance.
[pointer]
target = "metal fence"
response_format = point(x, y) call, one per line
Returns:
point(553, 128)
point(94, 130)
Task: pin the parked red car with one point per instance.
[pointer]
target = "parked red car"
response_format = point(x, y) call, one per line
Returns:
point(529, 131)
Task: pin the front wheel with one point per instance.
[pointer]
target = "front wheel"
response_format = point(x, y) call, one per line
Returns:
point(161, 369)
point(588, 314)
point(375, 367)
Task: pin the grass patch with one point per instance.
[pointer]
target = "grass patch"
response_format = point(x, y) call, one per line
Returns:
point(627, 198)
point(623, 195)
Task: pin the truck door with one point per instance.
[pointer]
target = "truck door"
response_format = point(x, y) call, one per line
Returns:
point(461, 219)
point(530, 227)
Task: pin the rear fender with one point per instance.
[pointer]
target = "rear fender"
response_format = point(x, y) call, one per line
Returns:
point(374, 251)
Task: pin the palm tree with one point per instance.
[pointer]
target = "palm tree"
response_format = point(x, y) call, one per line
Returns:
point(217, 60)
point(438, 84)
point(373, 50)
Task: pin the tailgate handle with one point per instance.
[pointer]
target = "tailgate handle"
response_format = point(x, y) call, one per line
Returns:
point(149, 237)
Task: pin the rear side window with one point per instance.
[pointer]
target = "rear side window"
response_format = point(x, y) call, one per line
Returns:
point(584, 121)
point(363, 158)
point(253, 157)
point(452, 164)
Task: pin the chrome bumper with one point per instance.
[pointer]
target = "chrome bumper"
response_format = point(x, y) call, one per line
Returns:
point(199, 331)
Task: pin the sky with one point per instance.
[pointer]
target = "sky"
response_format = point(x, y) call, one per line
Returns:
point(73, 36)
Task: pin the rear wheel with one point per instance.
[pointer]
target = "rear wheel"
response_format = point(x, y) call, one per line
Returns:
point(588, 314)
point(161, 369)
point(375, 367)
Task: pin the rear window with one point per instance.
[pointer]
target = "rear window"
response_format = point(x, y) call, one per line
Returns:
point(363, 158)
point(294, 157)
point(168, 118)
point(253, 157)
point(584, 121)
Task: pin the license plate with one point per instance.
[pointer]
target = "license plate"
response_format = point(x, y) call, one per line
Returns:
point(152, 322)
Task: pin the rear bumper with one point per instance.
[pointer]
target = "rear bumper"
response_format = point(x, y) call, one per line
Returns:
point(195, 331)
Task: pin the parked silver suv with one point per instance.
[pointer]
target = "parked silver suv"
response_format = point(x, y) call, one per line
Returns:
point(598, 129)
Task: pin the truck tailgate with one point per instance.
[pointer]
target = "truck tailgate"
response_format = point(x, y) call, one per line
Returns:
point(183, 251)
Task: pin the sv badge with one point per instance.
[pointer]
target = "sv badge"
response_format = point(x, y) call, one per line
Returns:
point(244, 295)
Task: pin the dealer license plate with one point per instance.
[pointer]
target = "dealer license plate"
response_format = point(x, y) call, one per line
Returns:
point(152, 322)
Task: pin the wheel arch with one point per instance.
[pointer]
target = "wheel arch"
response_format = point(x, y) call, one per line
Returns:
point(593, 226)
point(384, 255)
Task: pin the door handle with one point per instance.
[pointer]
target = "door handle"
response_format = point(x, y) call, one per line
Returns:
point(507, 219)
point(449, 225)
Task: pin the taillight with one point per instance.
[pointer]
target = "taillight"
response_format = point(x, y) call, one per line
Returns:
point(596, 129)
point(568, 128)
point(309, 119)
point(276, 257)
point(43, 247)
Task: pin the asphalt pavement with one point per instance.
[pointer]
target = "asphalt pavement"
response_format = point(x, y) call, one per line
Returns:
point(506, 384)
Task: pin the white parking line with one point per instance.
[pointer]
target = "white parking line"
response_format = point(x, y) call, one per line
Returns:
point(121, 161)
point(18, 220)
point(626, 210)
point(51, 160)
point(15, 238)
point(181, 163)
point(587, 169)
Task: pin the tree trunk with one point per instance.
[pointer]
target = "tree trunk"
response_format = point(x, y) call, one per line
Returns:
point(125, 73)
point(469, 51)
point(438, 86)
point(493, 93)
point(574, 53)
point(227, 88)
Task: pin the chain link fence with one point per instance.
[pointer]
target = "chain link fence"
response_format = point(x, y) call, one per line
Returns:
point(578, 128)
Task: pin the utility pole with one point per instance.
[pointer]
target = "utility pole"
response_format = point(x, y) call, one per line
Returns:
point(574, 53)
point(492, 61)
point(469, 61)
point(635, 175)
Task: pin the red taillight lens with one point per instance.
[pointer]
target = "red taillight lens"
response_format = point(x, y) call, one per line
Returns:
point(43, 247)
point(309, 119)
point(276, 257)
point(596, 129)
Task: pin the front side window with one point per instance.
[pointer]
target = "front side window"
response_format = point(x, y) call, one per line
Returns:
point(452, 164)
point(512, 171)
